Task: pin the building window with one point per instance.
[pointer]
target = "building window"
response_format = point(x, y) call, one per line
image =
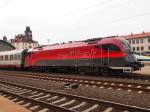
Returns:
point(133, 48)
point(137, 41)
point(141, 40)
point(133, 41)
point(137, 48)
point(142, 48)
point(148, 47)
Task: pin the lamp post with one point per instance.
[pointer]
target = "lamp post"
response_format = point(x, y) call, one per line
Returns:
point(48, 40)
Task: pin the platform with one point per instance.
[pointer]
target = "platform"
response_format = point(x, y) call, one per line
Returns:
point(144, 71)
point(9, 106)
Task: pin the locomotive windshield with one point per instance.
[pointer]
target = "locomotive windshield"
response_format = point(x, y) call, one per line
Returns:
point(127, 46)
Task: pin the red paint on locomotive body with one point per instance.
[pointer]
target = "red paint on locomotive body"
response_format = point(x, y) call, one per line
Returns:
point(76, 50)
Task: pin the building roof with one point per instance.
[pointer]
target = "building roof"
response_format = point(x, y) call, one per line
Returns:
point(22, 38)
point(5, 46)
point(140, 35)
point(26, 37)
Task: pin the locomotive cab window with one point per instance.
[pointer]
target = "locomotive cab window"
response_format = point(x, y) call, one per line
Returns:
point(127, 47)
point(111, 47)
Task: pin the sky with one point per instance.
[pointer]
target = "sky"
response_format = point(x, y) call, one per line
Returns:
point(70, 20)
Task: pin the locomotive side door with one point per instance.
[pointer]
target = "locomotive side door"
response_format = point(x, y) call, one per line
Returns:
point(101, 53)
point(105, 54)
point(74, 55)
point(28, 59)
point(101, 56)
point(92, 53)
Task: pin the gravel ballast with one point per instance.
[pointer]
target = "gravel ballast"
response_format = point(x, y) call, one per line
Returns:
point(118, 96)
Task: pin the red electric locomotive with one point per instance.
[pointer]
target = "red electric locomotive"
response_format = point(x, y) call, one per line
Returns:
point(93, 55)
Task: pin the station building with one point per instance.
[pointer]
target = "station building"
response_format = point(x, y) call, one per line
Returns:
point(24, 41)
point(140, 43)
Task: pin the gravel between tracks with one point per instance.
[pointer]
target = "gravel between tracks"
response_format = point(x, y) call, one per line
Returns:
point(119, 96)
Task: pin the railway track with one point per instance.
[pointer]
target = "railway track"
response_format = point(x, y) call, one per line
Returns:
point(41, 100)
point(134, 76)
point(128, 86)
